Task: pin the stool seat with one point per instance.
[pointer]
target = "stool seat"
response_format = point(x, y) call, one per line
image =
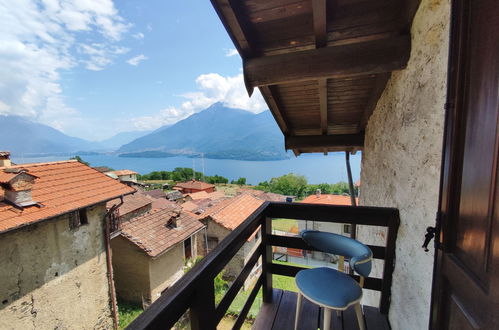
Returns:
point(328, 287)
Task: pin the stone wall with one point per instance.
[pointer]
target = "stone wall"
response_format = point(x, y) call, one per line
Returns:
point(401, 162)
point(53, 277)
point(131, 271)
point(166, 270)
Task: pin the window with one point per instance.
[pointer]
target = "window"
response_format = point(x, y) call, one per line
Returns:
point(347, 229)
point(78, 218)
point(188, 248)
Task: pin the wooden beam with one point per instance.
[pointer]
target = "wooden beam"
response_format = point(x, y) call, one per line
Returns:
point(371, 57)
point(323, 105)
point(378, 88)
point(320, 23)
point(324, 141)
point(270, 97)
point(233, 25)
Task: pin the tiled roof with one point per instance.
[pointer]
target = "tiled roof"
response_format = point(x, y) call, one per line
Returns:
point(151, 233)
point(329, 199)
point(124, 172)
point(156, 193)
point(198, 195)
point(189, 206)
point(161, 203)
point(61, 187)
point(230, 213)
point(130, 203)
point(193, 184)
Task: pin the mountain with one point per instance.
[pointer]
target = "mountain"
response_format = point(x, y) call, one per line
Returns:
point(22, 136)
point(122, 138)
point(217, 132)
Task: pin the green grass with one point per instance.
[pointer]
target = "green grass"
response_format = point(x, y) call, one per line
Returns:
point(284, 224)
point(127, 313)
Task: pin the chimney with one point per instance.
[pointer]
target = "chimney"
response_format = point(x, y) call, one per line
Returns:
point(175, 221)
point(318, 193)
point(17, 184)
point(5, 159)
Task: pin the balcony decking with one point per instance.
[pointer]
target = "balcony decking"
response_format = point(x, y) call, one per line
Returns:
point(280, 315)
point(195, 291)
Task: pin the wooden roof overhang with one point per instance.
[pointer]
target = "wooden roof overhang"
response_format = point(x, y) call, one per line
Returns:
point(320, 65)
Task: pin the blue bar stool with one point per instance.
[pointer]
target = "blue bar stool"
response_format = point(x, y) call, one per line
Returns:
point(327, 287)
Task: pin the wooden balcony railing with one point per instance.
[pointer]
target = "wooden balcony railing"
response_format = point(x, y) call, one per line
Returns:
point(195, 291)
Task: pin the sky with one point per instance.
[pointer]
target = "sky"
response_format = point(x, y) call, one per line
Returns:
point(93, 68)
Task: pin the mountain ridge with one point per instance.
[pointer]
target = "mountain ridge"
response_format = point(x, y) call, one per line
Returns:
point(216, 132)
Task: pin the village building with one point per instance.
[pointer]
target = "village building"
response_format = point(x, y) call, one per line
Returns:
point(224, 217)
point(155, 193)
point(327, 199)
point(54, 268)
point(175, 196)
point(126, 176)
point(193, 186)
point(132, 206)
point(150, 253)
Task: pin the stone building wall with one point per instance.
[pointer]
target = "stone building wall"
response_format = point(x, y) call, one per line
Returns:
point(401, 162)
point(131, 271)
point(55, 277)
point(166, 270)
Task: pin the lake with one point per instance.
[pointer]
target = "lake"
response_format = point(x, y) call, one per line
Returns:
point(317, 168)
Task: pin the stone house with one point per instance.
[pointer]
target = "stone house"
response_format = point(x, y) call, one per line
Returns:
point(193, 186)
point(222, 218)
point(52, 231)
point(126, 176)
point(150, 253)
point(133, 206)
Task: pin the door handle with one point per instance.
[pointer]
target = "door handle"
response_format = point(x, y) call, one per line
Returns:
point(430, 234)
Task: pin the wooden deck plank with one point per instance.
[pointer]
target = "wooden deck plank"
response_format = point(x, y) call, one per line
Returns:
point(374, 319)
point(285, 318)
point(350, 319)
point(268, 312)
point(309, 316)
point(280, 315)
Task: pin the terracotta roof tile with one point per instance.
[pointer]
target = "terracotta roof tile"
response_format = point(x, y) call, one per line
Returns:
point(329, 199)
point(123, 172)
point(61, 187)
point(151, 233)
point(230, 213)
point(130, 203)
point(193, 184)
point(156, 193)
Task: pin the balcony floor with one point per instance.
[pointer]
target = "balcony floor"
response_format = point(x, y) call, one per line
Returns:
point(280, 314)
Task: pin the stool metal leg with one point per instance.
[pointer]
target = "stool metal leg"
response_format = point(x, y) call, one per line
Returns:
point(360, 317)
point(327, 318)
point(298, 307)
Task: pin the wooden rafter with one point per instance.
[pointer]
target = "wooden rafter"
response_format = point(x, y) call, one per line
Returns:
point(232, 24)
point(320, 23)
point(272, 101)
point(323, 104)
point(371, 57)
point(324, 141)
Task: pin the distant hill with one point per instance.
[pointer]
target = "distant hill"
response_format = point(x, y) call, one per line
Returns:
point(122, 138)
point(217, 132)
point(22, 136)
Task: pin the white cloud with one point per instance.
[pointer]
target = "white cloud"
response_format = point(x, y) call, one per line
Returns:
point(38, 40)
point(137, 59)
point(212, 88)
point(138, 35)
point(231, 52)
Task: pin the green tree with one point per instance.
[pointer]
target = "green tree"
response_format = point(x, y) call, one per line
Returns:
point(78, 158)
point(289, 184)
point(241, 181)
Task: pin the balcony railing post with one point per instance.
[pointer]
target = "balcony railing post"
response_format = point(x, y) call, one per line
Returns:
point(266, 259)
point(203, 306)
point(389, 265)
